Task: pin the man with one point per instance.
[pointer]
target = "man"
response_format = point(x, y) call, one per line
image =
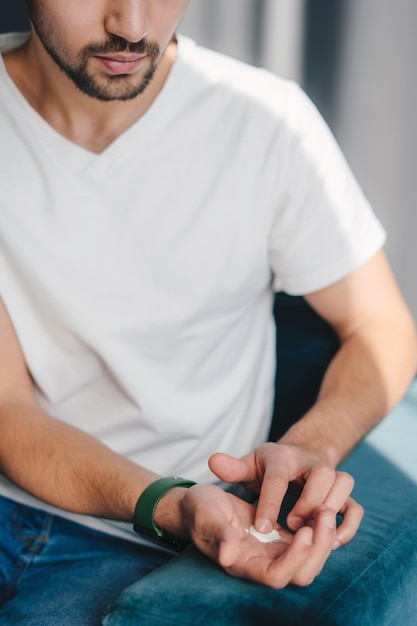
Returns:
point(153, 195)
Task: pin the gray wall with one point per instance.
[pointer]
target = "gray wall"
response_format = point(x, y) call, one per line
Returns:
point(376, 120)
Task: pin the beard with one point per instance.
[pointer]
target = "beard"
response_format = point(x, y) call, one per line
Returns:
point(103, 87)
point(118, 87)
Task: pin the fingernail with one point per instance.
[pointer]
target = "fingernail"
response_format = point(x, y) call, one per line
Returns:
point(295, 522)
point(263, 526)
point(308, 539)
point(336, 545)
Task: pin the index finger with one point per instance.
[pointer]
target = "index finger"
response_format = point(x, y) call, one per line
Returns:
point(273, 489)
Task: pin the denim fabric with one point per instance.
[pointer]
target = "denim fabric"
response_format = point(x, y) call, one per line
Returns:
point(54, 572)
point(372, 580)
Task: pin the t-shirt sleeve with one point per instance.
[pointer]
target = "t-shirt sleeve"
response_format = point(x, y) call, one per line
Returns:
point(323, 227)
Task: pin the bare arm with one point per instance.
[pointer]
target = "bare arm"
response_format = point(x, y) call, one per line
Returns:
point(367, 377)
point(52, 460)
point(372, 369)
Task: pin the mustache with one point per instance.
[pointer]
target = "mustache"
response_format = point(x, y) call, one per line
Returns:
point(117, 44)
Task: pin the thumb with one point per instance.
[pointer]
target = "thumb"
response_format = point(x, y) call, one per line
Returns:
point(228, 468)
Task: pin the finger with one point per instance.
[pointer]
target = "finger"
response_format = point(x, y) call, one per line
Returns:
point(218, 537)
point(225, 553)
point(229, 551)
point(230, 469)
point(273, 490)
point(277, 572)
point(315, 492)
point(299, 560)
point(340, 491)
point(324, 534)
point(353, 514)
point(323, 540)
point(325, 486)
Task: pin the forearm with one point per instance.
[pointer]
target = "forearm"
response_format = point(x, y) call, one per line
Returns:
point(65, 466)
point(365, 380)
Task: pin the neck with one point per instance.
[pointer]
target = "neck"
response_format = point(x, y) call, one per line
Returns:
point(87, 122)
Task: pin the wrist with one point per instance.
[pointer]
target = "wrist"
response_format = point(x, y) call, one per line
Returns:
point(161, 521)
point(314, 444)
point(168, 513)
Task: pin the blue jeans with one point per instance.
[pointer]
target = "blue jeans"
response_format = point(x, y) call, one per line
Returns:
point(370, 581)
point(54, 572)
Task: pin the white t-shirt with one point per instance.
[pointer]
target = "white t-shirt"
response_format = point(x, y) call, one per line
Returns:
point(140, 280)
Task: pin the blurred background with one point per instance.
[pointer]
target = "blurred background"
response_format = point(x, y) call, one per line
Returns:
point(357, 60)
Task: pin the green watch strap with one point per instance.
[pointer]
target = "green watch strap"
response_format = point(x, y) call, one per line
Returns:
point(144, 523)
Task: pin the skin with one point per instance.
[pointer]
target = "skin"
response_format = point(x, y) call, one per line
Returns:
point(71, 29)
point(367, 377)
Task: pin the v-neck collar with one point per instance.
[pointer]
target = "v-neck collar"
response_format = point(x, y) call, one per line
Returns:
point(54, 141)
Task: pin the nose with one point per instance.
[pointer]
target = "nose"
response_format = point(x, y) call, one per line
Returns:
point(128, 19)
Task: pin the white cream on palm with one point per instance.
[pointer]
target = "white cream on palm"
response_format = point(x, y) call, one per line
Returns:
point(264, 537)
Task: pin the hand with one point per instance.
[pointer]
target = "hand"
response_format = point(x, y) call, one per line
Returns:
point(268, 471)
point(216, 522)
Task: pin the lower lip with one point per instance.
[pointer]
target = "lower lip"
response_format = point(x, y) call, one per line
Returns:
point(121, 67)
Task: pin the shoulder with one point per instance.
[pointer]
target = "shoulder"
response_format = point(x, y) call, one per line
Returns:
point(239, 82)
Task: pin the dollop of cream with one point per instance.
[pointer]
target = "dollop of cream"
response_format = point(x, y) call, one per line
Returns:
point(264, 537)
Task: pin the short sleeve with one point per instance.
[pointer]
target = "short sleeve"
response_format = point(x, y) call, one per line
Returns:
point(324, 227)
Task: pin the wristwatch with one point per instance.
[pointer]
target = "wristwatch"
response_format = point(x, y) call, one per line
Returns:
point(144, 523)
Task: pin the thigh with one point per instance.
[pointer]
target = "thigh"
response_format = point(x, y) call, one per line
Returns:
point(372, 580)
point(55, 572)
